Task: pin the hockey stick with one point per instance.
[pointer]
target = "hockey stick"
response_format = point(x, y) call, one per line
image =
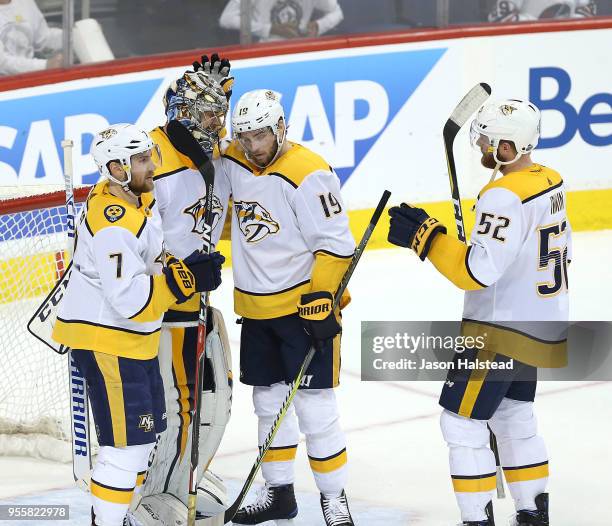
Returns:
point(189, 146)
point(460, 115)
point(79, 403)
point(473, 100)
point(293, 388)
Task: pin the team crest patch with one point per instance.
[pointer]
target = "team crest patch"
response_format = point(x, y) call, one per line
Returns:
point(506, 109)
point(114, 212)
point(108, 133)
point(197, 211)
point(255, 221)
point(146, 422)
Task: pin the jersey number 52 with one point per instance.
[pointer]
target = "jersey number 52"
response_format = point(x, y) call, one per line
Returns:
point(550, 254)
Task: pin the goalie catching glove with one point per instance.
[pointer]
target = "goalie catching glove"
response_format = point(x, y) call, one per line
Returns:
point(198, 272)
point(315, 310)
point(218, 69)
point(412, 227)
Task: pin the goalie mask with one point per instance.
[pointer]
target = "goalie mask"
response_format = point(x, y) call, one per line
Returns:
point(200, 104)
point(511, 120)
point(257, 110)
point(119, 143)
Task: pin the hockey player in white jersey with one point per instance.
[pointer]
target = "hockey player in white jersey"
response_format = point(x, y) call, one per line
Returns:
point(291, 245)
point(199, 101)
point(514, 272)
point(122, 282)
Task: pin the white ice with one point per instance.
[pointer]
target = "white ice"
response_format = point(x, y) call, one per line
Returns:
point(398, 460)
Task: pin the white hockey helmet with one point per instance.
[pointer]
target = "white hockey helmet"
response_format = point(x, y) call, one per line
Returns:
point(119, 143)
point(514, 120)
point(259, 109)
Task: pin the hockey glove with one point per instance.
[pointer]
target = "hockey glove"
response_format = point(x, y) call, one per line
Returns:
point(412, 227)
point(198, 272)
point(317, 315)
point(218, 69)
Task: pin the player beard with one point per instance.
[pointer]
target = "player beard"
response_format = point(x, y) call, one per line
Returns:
point(488, 161)
point(145, 186)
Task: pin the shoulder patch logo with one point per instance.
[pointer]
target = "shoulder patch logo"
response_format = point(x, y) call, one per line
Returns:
point(197, 211)
point(255, 221)
point(114, 212)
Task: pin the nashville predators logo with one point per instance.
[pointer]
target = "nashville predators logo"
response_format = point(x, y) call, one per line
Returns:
point(506, 109)
point(146, 422)
point(114, 212)
point(108, 133)
point(255, 221)
point(198, 211)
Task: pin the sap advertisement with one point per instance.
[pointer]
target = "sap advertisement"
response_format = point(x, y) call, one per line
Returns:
point(375, 113)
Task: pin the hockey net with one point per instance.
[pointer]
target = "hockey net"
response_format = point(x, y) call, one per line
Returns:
point(34, 396)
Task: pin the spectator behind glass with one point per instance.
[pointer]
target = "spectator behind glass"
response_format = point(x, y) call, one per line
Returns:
point(282, 19)
point(24, 33)
point(525, 10)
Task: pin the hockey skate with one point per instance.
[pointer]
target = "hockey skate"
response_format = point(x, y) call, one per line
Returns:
point(271, 504)
point(538, 517)
point(489, 522)
point(336, 510)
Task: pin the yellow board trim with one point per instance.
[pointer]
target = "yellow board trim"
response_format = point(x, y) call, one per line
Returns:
point(116, 496)
point(587, 210)
point(109, 367)
point(474, 385)
point(475, 485)
point(329, 464)
point(281, 454)
point(527, 473)
point(178, 340)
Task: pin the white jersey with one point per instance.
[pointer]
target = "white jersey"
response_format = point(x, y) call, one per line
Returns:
point(116, 294)
point(24, 33)
point(284, 218)
point(520, 249)
point(181, 198)
point(297, 13)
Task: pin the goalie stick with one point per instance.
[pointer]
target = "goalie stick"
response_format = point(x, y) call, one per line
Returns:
point(469, 104)
point(263, 449)
point(187, 145)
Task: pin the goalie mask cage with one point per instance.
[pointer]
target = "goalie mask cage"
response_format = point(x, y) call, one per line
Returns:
point(34, 396)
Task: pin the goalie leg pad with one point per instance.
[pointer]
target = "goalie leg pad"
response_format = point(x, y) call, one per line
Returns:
point(170, 469)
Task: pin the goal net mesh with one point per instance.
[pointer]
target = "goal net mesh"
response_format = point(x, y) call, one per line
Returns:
point(34, 395)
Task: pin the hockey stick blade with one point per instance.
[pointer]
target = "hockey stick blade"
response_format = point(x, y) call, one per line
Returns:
point(293, 388)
